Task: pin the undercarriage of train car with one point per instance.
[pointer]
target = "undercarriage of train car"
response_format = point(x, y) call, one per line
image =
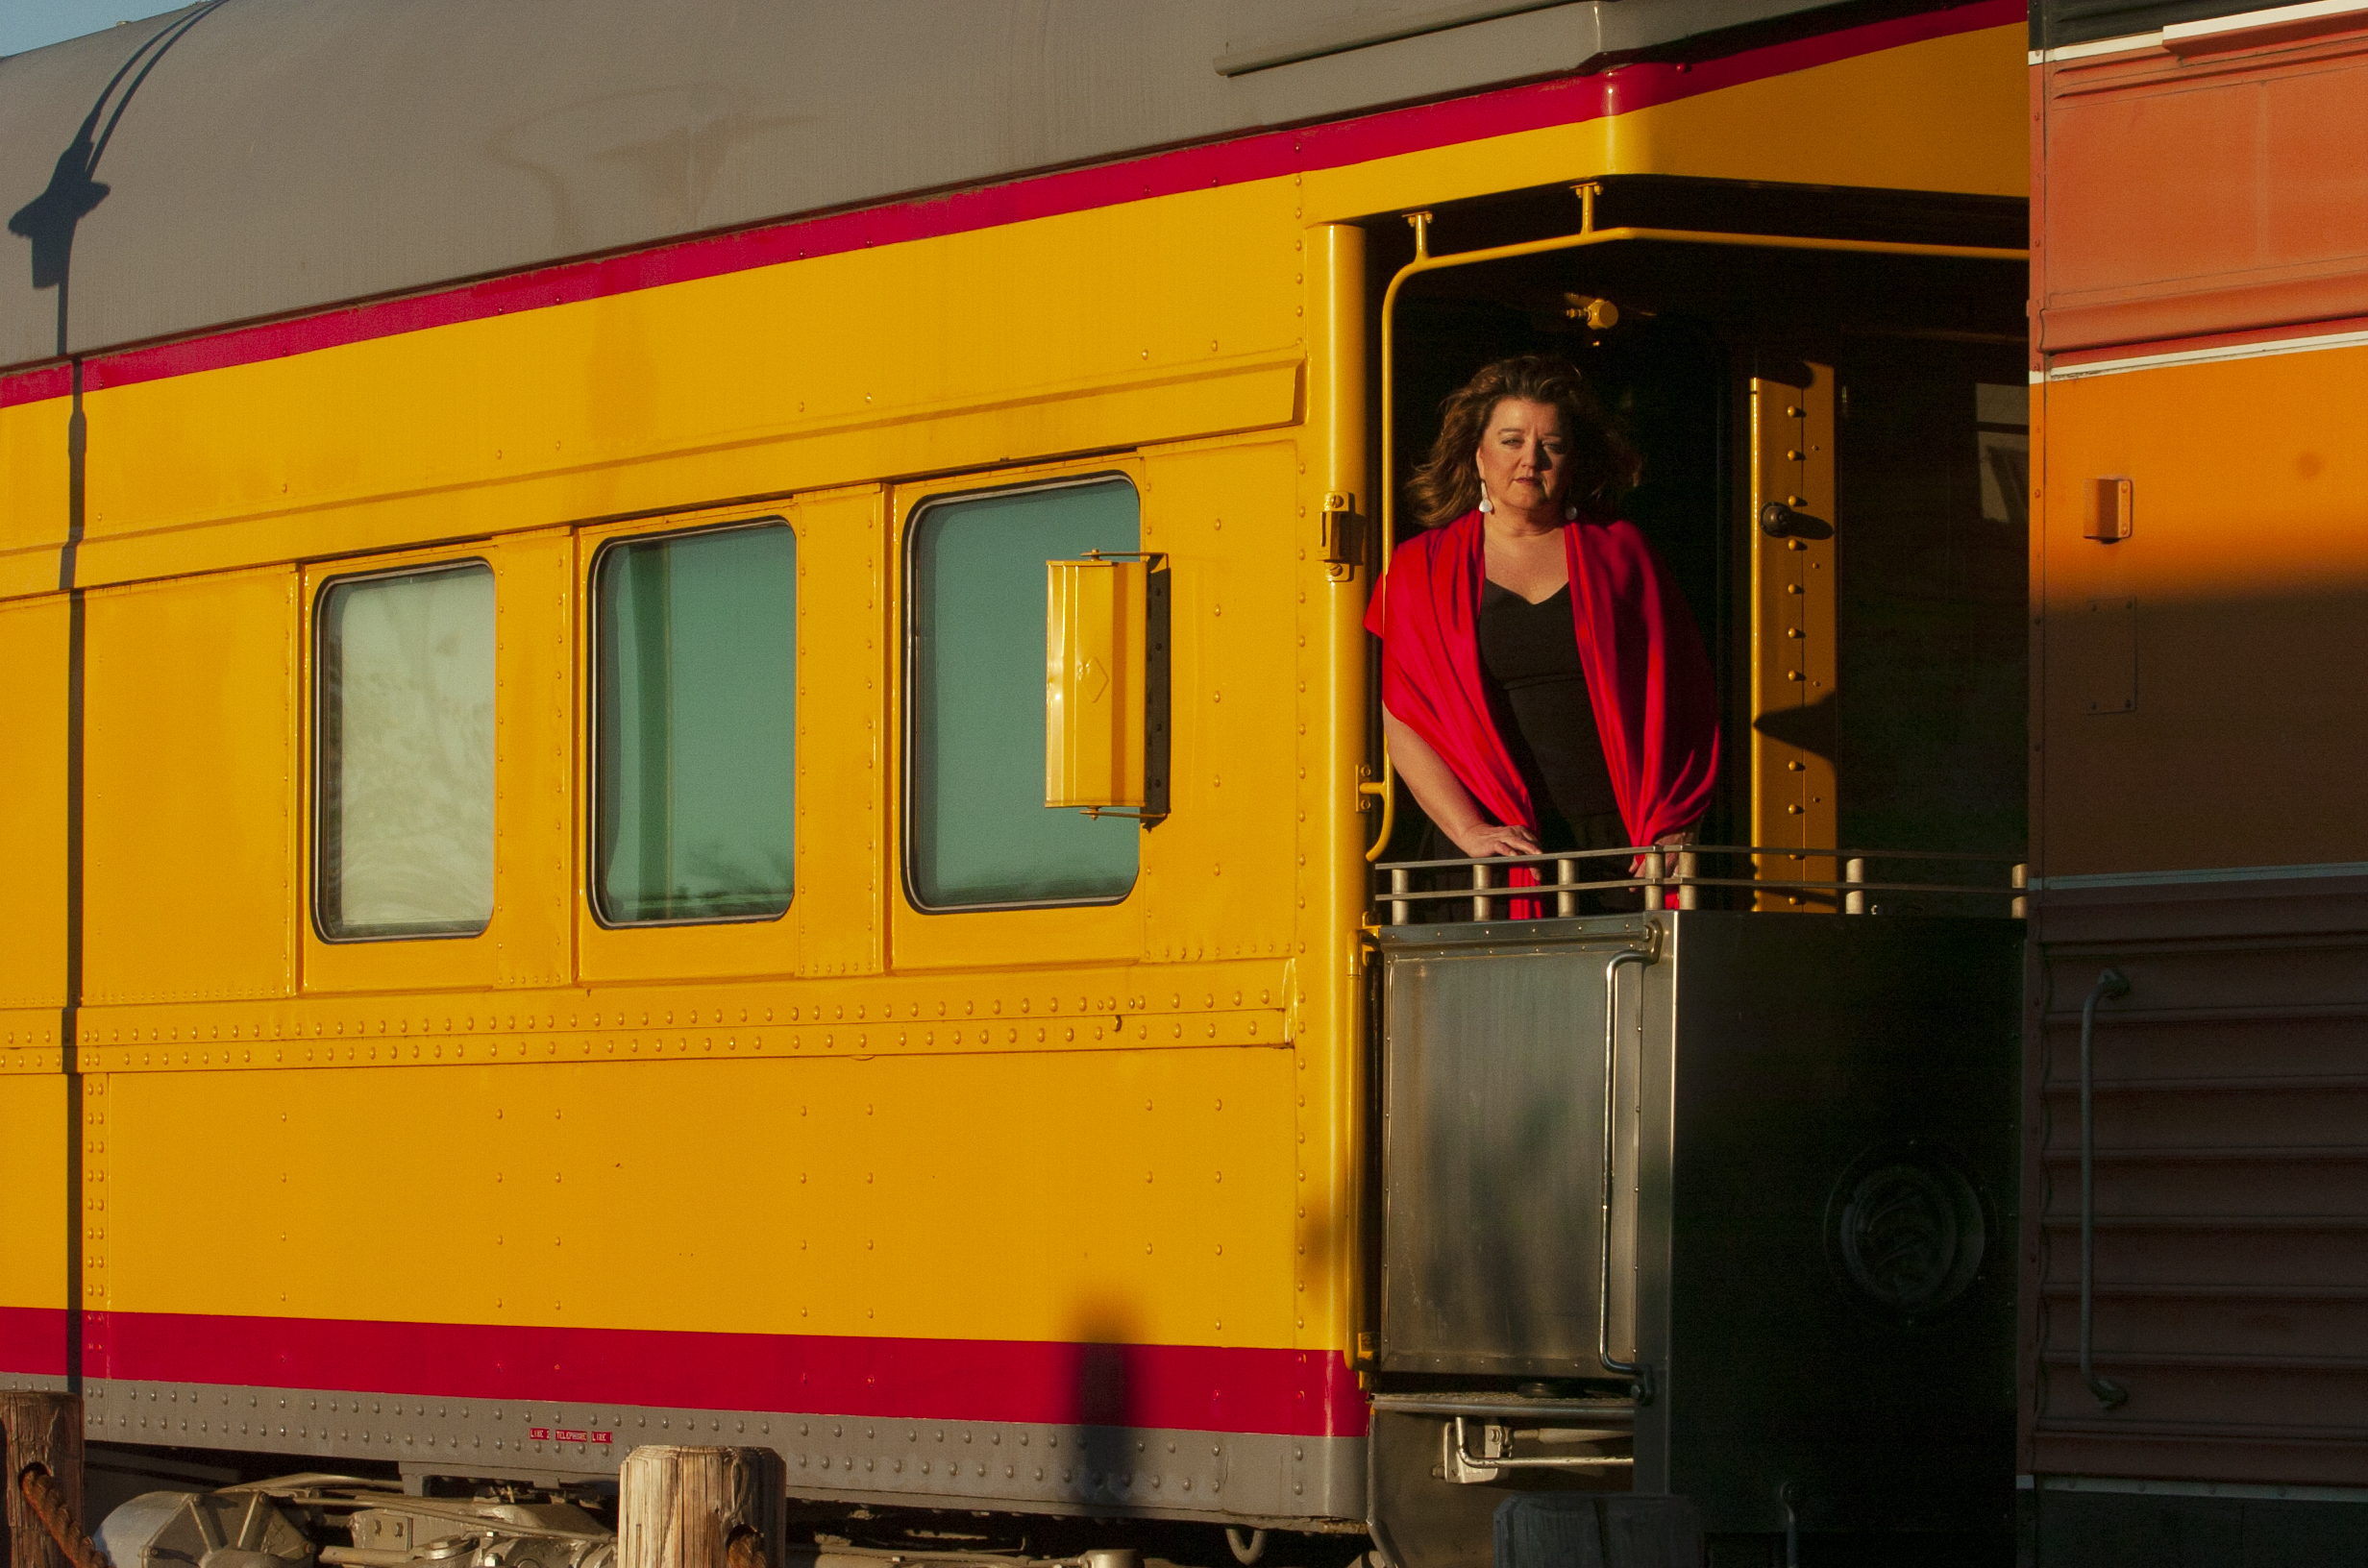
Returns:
point(308, 1517)
point(1695, 1189)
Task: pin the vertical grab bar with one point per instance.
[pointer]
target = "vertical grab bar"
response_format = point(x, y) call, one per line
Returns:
point(2111, 982)
point(1636, 1370)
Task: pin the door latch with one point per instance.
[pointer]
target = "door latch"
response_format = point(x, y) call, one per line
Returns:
point(1343, 533)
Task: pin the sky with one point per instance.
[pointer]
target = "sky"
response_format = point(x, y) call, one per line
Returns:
point(29, 24)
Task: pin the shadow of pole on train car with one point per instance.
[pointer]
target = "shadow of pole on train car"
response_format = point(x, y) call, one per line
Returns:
point(1102, 1399)
point(49, 221)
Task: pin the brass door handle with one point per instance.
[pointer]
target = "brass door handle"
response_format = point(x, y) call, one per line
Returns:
point(1778, 520)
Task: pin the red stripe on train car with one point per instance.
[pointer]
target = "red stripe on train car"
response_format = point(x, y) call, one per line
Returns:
point(33, 1341)
point(1266, 154)
point(36, 385)
point(1190, 1387)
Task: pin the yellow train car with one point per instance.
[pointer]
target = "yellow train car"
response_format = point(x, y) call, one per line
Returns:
point(529, 923)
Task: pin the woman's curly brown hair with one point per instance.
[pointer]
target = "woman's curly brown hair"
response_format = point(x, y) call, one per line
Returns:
point(1603, 465)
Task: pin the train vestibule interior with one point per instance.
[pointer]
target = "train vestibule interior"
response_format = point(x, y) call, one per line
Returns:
point(1877, 401)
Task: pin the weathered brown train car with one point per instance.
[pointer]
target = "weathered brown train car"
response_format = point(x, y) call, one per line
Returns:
point(2195, 1297)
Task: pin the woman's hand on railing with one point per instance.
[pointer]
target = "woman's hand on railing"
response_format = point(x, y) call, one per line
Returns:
point(1445, 801)
point(1682, 839)
point(1486, 841)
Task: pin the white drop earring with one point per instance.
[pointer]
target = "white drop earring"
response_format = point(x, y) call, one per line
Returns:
point(1486, 504)
point(1570, 514)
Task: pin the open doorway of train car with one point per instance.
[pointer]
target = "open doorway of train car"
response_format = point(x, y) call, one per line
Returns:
point(1917, 366)
point(1876, 402)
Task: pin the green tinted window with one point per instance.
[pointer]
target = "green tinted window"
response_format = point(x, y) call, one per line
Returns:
point(403, 814)
point(695, 726)
point(979, 833)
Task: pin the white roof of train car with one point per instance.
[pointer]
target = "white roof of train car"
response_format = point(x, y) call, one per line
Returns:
point(267, 158)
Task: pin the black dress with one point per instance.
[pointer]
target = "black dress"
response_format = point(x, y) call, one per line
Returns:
point(1537, 688)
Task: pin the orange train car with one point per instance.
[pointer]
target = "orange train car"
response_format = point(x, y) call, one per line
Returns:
point(569, 878)
point(2191, 1328)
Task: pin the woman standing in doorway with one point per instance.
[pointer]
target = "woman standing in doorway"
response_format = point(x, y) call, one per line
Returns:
point(1544, 686)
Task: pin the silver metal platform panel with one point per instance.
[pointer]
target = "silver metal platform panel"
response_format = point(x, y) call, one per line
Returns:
point(1495, 1132)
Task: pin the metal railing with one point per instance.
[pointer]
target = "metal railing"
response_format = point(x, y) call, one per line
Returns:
point(1697, 876)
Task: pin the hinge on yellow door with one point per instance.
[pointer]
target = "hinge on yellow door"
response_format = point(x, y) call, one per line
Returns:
point(1794, 663)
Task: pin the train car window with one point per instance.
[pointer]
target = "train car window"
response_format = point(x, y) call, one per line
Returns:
point(404, 808)
point(978, 834)
point(695, 726)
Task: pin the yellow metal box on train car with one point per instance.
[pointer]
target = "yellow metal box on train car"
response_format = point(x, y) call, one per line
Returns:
point(1095, 617)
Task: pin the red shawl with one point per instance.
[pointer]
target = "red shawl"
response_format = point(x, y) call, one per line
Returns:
point(1648, 677)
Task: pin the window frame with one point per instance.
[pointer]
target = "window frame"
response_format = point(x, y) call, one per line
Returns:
point(317, 821)
point(593, 660)
point(908, 639)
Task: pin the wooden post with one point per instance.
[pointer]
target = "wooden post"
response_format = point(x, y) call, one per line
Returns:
point(46, 1430)
point(681, 1507)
